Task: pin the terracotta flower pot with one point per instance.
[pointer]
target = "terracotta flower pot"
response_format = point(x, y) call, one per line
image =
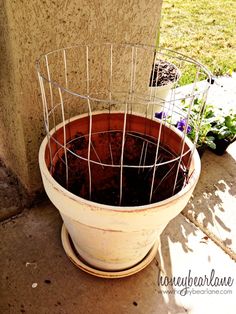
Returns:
point(115, 187)
point(112, 237)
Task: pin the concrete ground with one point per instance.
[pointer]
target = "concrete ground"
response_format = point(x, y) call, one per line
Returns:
point(38, 278)
point(10, 198)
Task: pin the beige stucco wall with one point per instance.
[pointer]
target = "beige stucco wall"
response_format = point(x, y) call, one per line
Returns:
point(31, 27)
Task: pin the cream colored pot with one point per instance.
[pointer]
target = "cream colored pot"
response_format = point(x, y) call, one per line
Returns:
point(114, 238)
point(160, 94)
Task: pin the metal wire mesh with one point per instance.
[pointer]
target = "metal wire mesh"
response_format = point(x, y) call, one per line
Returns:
point(118, 152)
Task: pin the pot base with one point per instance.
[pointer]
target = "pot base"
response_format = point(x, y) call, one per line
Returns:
point(79, 262)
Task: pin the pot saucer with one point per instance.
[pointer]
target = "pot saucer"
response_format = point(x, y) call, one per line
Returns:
point(79, 262)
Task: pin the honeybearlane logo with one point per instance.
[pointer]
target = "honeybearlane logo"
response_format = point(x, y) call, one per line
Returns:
point(189, 283)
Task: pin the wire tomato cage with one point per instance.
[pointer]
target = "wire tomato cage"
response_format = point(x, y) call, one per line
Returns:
point(117, 120)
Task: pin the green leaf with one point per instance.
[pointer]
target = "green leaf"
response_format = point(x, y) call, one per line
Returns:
point(211, 145)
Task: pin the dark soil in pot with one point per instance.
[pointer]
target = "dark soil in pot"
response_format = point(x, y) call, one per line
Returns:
point(106, 179)
point(163, 73)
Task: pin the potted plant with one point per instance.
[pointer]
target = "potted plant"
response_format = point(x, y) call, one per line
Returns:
point(164, 76)
point(116, 177)
point(217, 127)
point(111, 239)
point(224, 131)
point(204, 139)
point(203, 127)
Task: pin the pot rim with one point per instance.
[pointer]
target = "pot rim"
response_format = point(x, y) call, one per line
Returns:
point(44, 169)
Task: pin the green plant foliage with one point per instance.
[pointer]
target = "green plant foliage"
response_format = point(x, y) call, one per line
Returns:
point(206, 123)
point(224, 126)
point(200, 122)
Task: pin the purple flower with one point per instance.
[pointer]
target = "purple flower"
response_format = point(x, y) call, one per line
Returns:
point(181, 125)
point(160, 115)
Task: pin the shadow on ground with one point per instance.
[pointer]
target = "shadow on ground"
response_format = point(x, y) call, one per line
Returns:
point(214, 202)
point(32, 254)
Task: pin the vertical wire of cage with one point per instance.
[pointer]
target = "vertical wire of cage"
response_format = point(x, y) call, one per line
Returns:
point(113, 136)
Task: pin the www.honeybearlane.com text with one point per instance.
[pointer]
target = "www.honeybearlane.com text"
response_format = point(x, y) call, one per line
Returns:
point(189, 281)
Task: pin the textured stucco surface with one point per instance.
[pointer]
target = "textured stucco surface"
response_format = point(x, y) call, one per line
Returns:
point(30, 28)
